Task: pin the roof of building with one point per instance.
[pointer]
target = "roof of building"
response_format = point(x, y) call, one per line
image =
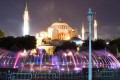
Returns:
point(75, 38)
point(59, 24)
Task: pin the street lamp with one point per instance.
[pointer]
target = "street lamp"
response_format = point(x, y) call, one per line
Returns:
point(90, 18)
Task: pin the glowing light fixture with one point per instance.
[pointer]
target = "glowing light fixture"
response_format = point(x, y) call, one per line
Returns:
point(67, 38)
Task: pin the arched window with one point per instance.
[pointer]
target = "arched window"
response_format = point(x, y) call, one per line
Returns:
point(61, 36)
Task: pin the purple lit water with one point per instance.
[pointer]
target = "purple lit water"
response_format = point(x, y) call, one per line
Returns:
point(62, 61)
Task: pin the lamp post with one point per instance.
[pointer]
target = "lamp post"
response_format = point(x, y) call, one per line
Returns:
point(90, 18)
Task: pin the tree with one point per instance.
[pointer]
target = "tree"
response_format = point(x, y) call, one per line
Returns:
point(96, 45)
point(99, 44)
point(29, 42)
point(66, 45)
point(26, 42)
point(85, 45)
point(19, 43)
point(112, 49)
point(114, 45)
point(2, 34)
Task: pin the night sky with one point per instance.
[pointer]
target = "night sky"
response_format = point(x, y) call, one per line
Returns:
point(44, 12)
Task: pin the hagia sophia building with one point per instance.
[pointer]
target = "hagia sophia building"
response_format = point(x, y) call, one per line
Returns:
point(57, 33)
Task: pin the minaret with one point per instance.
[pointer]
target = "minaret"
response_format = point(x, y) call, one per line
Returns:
point(83, 32)
point(95, 28)
point(26, 22)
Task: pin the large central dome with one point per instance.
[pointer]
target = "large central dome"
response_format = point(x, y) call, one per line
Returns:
point(59, 24)
point(62, 31)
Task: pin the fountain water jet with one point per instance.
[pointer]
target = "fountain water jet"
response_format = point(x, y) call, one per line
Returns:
point(58, 62)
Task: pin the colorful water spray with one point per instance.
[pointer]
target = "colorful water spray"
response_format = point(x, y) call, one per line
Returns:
point(62, 61)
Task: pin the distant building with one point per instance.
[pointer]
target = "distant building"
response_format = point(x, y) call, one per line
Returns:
point(57, 31)
point(55, 35)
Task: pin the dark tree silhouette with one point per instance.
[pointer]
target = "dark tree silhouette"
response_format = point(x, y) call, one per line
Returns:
point(66, 45)
point(96, 45)
point(85, 45)
point(114, 45)
point(99, 44)
point(19, 43)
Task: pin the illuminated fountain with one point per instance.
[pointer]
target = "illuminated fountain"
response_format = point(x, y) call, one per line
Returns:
point(62, 61)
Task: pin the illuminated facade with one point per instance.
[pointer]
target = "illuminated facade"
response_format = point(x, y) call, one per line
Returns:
point(58, 30)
